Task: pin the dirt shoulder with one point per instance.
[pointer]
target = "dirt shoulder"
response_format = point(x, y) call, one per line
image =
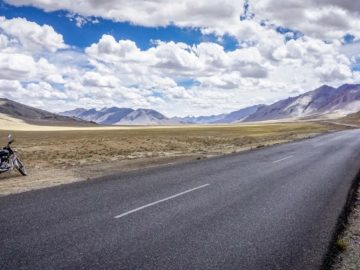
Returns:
point(13, 182)
point(65, 156)
point(349, 259)
point(352, 119)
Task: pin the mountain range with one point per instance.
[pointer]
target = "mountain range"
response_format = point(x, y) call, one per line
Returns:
point(226, 118)
point(121, 116)
point(323, 102)
point(127, 116)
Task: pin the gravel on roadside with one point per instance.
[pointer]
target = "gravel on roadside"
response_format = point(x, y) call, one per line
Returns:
point(349, 259)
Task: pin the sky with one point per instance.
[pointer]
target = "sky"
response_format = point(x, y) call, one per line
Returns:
point(180, 57)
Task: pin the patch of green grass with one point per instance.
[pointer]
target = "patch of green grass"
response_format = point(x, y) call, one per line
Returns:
point(341, 244)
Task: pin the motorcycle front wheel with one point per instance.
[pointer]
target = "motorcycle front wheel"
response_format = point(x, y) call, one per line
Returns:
point(20, 167)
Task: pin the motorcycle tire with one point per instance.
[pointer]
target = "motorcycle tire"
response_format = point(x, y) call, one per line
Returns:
point(20, 167)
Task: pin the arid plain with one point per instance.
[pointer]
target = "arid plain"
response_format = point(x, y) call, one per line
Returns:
point(56, 155)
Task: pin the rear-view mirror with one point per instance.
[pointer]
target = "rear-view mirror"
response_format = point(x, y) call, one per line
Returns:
point(10, 138)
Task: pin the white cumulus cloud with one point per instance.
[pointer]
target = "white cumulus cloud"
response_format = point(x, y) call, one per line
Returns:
point(324, 19)
point(32, 36)
point(183, 13)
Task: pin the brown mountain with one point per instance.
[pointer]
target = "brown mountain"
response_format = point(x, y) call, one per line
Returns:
point(36, 116)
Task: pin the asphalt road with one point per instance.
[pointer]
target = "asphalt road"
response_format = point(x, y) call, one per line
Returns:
point(273, 208)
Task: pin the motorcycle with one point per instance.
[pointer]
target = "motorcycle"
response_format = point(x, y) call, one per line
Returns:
point(9, 160)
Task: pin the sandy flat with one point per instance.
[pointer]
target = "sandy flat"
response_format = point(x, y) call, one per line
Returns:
point(14, 124)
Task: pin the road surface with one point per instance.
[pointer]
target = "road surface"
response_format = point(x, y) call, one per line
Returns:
point(272, 208)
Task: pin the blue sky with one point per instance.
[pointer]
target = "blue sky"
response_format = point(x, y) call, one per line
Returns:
point(181, 58)
point(89, 33)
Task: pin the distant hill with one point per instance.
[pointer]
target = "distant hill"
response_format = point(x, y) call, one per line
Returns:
point(145, 117)
point(240, 115)
point(106, 116)
point(200, 119)
point(225, 118)
point(122, 116)
point(325, 101)
point(36, 116)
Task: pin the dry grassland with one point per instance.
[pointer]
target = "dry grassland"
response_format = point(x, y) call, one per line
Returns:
point(56, 157)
